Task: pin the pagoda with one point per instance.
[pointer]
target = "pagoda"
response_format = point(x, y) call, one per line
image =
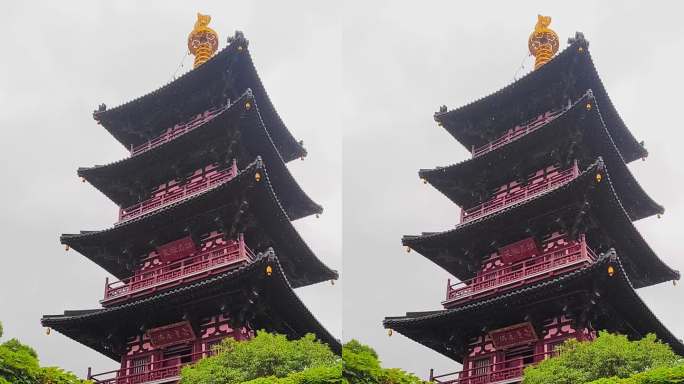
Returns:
point(546, 248)
point(204, 248)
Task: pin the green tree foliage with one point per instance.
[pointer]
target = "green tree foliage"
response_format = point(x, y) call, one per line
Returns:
point(362, 366)
point(316, 375)
point(19, 365)
point(610, 356)
point(662, 375)
point(267, 358)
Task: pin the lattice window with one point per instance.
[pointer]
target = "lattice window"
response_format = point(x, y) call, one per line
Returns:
point(140, 364)
point(481, 366)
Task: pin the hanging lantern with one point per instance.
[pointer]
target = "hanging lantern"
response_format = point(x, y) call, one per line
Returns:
point(257, 177)
point(332, 281)
point(424, 180)
point(674, 283)
point(66, 247)
point(48, 330)
point(611, 270)
point(389, 332)
point(408, 249)
point(269, 270)
point(599, 177)
point(588, 106)
point(83, 180)
point(248, 105)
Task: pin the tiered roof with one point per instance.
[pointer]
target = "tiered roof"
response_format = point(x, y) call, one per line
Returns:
point(617, 306)
point(560, 104)
point(235, 132)
point(565, 78)
point(226, 76)
point(581, 205)
point(243, 197)
point(276, 308)
point(577, 133)
point(217, 121)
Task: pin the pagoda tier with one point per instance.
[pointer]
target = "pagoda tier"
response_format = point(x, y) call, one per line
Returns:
point(233, 132)
point(559, 82)
point(224, 77)
point(521, 263)
point(178, 263)
point(585, 204)
point(598, 296)
point(245, 203)
point(576, 133)
point(255, 296)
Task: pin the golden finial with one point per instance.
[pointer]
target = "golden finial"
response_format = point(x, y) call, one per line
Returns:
point(202, 41)
point(543, 42)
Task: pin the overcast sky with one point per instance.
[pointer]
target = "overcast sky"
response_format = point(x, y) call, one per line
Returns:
point(359, 84)
point(402, 61)
point(61, 59)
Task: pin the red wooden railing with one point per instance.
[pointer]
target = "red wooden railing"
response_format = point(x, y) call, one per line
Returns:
point(167, 369)
point(531, 189)
point(179, 192)
point(555, 260)
point(189, 269)
point(517, 132)
point(501, 372)
point(178, 130)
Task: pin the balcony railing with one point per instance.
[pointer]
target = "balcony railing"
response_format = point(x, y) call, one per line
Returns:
point(501, 372)
point(189, 269)
point(531, 189)
point(178, 193)
point(556, 260)
point(178, 130)
point(517, 132)
point(162, 371)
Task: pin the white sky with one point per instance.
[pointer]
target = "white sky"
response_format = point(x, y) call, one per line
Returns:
point(402, 60)
point(60, 60)
point(358, 83)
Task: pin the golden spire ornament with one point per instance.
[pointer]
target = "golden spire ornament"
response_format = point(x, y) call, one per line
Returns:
point(202, 41)
point(543, 42)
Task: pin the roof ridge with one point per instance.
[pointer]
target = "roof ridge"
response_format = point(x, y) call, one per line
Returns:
point(588, 94)
point(597, 163)
point(247, 95)
point(531, 74)
point(240, 39)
